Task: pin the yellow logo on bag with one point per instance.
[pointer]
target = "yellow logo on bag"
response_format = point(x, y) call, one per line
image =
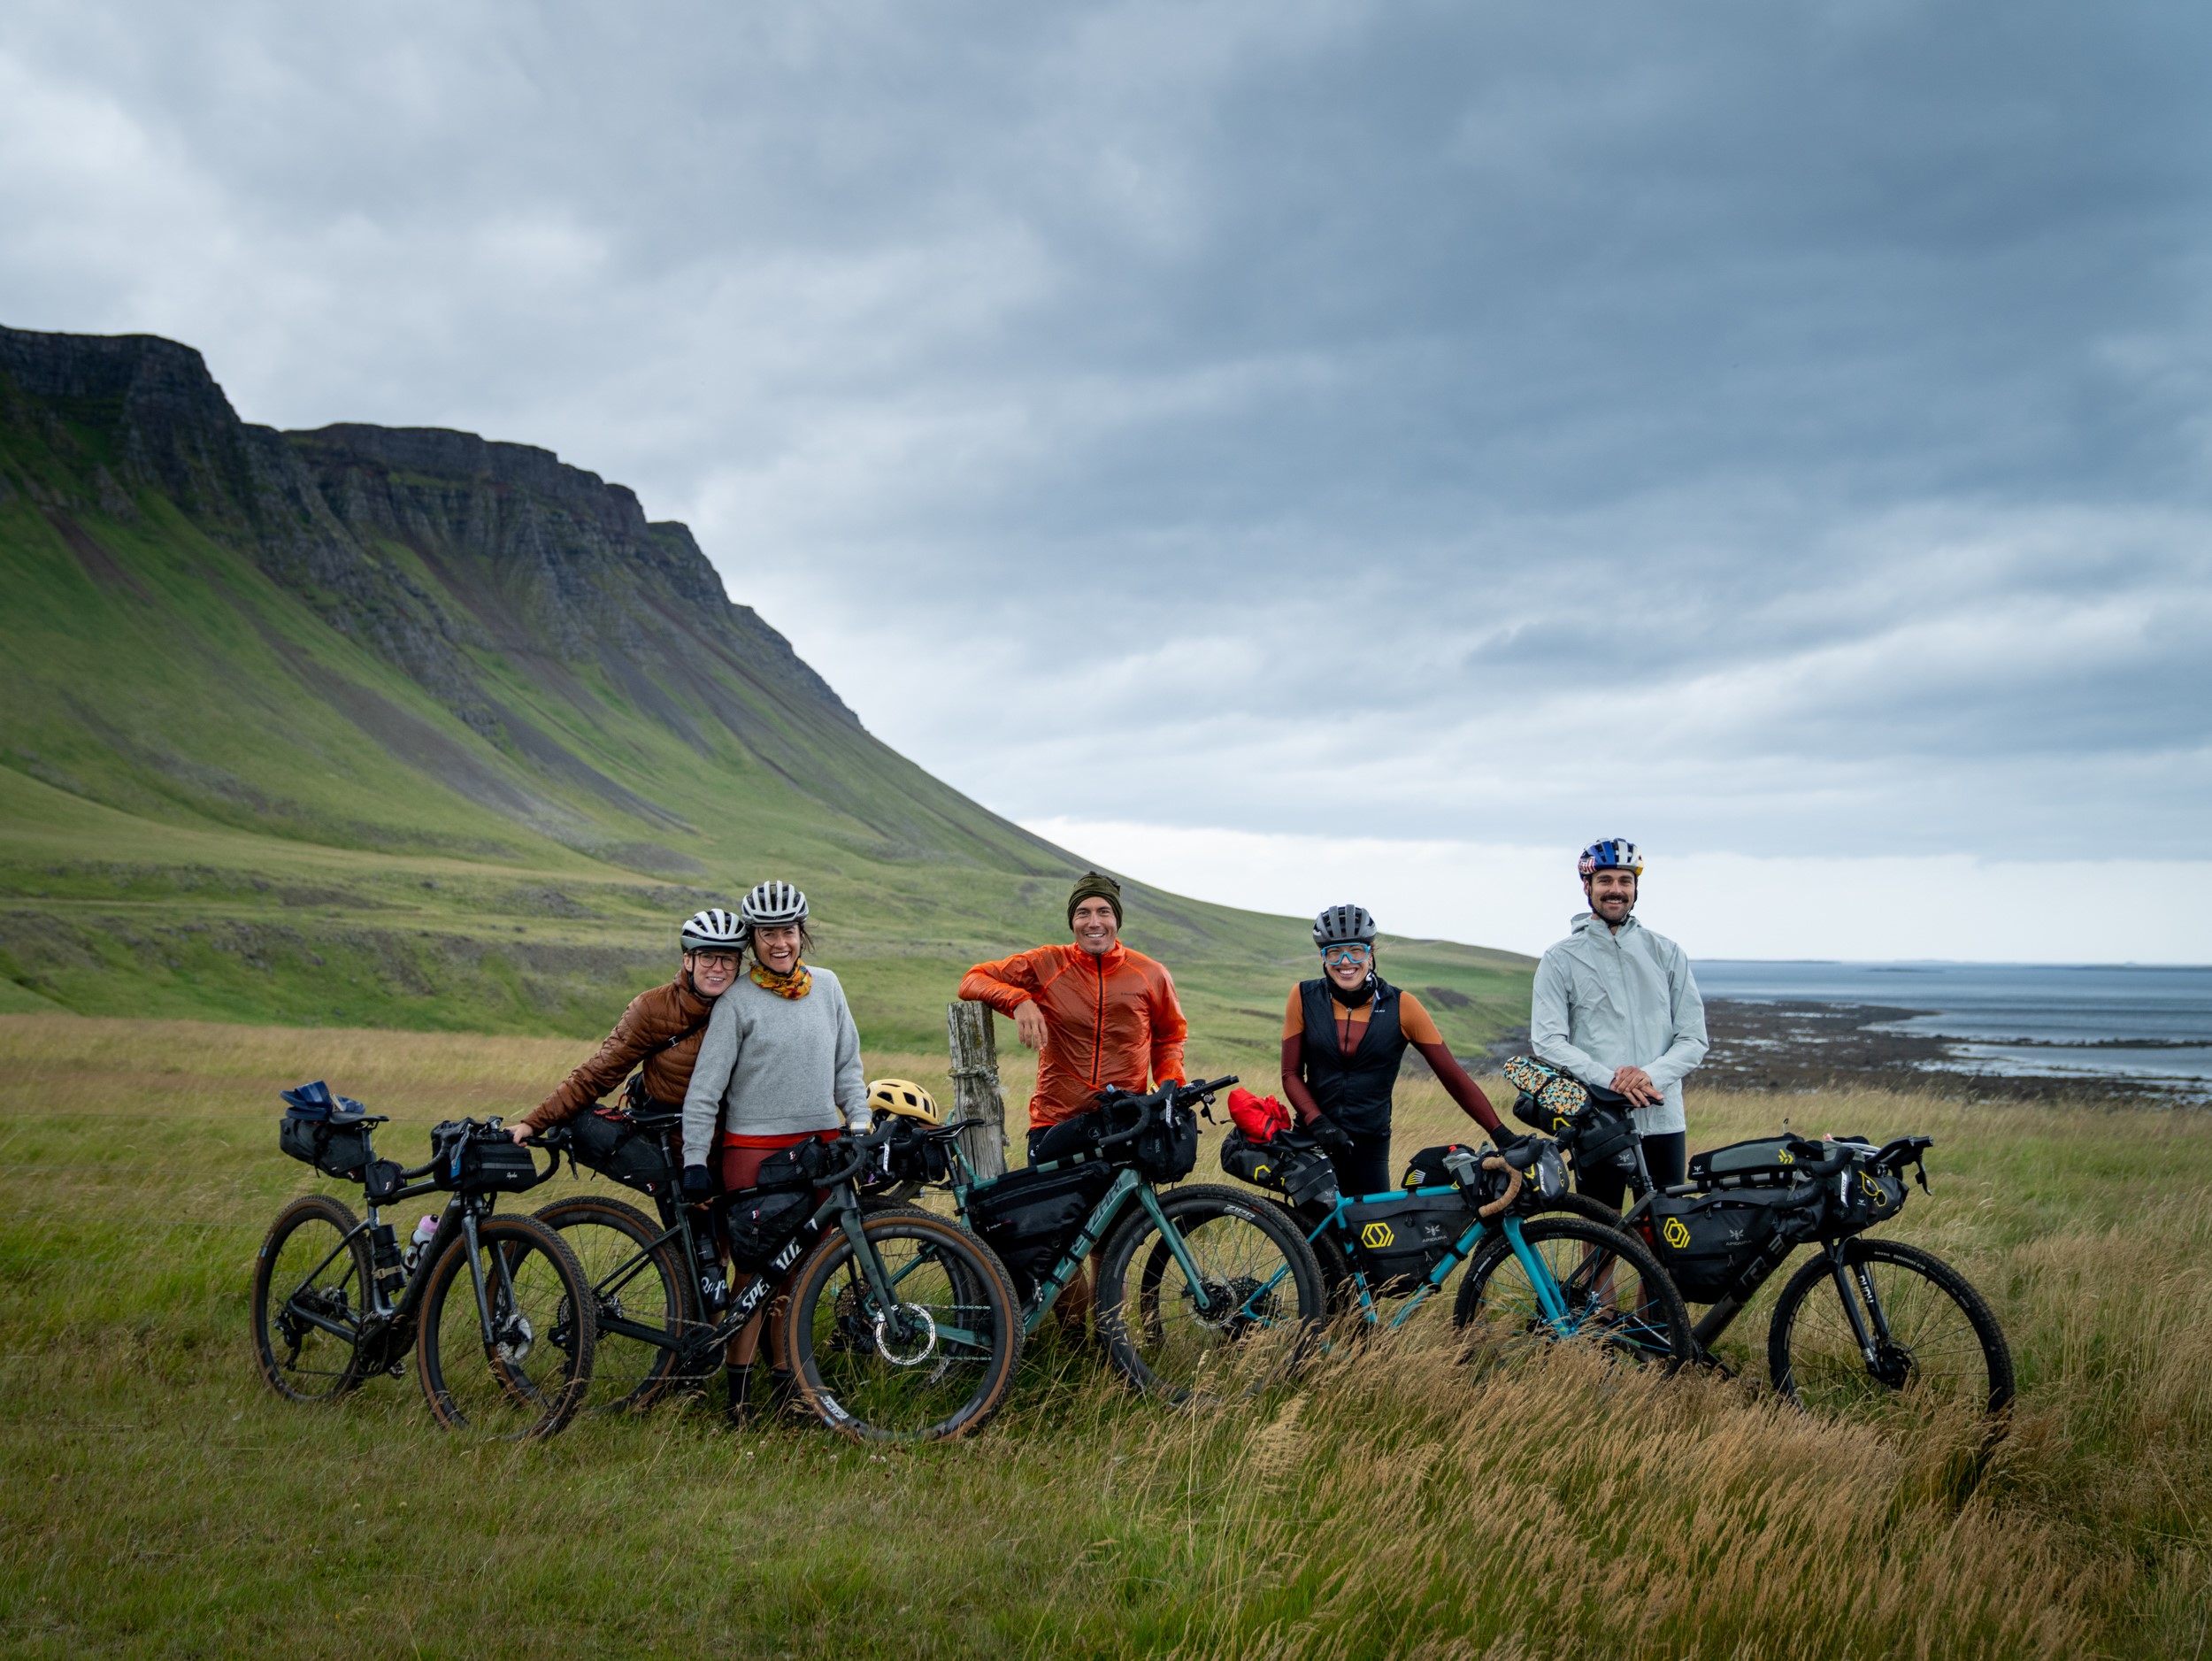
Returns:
point(1785, 1157)
point(1259, 1173)
point(1560, 1122)
point(1676, 1233)
point(1872, 1188)
point(1375, 1236)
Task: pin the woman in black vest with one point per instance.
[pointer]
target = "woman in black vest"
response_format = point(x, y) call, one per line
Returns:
point(1343, 1036)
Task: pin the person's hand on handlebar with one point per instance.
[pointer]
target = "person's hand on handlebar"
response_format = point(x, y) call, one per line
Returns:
point(1329, 1133)
point(520, 1133)
point(1636, 1085)
point(698, 1183)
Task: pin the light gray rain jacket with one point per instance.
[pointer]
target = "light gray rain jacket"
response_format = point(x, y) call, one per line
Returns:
point(1605, 1001)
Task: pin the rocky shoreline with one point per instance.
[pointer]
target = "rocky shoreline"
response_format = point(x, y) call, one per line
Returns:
point(1792, 1046)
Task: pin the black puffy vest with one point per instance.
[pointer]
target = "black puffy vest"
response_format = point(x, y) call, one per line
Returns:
point(1355, 1089)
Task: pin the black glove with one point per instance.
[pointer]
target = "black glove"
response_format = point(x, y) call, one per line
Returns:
point(1329, 1133)
point(698, 1183)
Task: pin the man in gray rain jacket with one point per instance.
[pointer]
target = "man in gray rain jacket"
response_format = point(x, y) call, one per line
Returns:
point(1617, 1006)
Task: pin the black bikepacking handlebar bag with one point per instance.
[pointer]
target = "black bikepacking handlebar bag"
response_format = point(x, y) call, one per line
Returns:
point(1166, 1150)
point(1030, 1217)
point(481, 1162)
point(1861, 1197)
point(1705, 1240)
point(616, 1147)
point(1396, 1243)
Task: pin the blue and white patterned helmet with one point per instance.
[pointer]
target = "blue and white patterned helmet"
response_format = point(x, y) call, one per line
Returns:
point(1615, 853)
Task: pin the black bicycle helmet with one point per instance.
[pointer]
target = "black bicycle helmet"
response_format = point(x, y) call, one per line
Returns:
point(1344, 925)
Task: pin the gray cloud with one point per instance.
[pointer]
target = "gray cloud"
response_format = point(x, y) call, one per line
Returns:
point(1746, 427)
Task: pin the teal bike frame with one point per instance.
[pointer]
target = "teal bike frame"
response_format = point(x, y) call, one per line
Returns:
point(1101, 1219)
point(1552, 1300)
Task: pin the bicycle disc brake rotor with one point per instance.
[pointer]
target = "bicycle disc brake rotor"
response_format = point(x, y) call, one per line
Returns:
point(1892, 1364)
point(515, 1339)
point(915, 1326)
point(1227, 1303)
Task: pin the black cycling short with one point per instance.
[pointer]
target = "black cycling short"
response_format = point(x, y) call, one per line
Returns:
point(1666, 1156)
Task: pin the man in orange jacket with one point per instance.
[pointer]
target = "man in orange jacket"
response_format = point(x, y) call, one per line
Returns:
point(1100, 1013)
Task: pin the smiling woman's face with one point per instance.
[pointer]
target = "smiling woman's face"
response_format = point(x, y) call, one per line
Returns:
point(711, 972)
point(777, 947)
point(1348, 964)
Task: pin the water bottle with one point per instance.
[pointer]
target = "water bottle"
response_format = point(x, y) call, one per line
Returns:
point(714, 1286)
point(424, 1232)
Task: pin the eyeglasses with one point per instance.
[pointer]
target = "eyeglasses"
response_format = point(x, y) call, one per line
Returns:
point(716, 960)
point(1344, 954)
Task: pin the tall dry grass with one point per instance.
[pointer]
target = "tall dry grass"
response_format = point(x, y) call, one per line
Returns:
point(1391, 1502)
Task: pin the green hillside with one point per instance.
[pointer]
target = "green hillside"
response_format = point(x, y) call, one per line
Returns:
point(399, 728)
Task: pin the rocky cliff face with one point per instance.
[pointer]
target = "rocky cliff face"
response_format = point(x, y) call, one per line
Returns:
point(431, 548)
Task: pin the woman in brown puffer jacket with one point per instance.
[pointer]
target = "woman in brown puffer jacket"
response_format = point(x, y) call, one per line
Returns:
point(659, 1034)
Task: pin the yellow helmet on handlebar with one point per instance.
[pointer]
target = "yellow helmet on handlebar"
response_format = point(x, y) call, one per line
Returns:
point(905, 1098)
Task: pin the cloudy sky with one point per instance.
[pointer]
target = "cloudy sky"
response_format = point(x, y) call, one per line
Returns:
point(1299, 449)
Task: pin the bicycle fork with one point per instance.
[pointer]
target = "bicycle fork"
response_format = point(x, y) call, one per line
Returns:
point(1870, 1328)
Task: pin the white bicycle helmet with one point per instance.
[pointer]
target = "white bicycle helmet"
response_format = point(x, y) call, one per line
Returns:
point(1344, 925)
point(772, 905)
point(713, 927)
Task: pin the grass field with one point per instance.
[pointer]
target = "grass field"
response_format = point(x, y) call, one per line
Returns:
point(155, 1498)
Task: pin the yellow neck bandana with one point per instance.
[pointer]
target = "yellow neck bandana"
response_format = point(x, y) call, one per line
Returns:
point(797, 984)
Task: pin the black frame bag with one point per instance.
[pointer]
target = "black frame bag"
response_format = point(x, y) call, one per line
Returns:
point(1397, 1243)
point(621, 1150)
point(760, 1223)
point(1029, 1217)
point(1706, 1242)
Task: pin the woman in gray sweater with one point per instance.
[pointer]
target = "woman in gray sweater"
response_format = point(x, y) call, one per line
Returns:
point(779, 1063)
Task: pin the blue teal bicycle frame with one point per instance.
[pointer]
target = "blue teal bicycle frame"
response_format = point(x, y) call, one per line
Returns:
point(1539, 1275)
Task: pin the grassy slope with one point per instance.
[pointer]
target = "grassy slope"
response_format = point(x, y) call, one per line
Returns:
point(192, 823)
point(157, 1499)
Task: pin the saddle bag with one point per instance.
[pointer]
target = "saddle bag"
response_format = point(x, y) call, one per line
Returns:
point(1706, 1242)
point(616, 1146)
point(1030, 1217)
point(761, 1223)
point(1301, 1172)
point(1398, 1243)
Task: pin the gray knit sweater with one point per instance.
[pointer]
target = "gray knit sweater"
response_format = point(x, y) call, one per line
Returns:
point(774, 1066)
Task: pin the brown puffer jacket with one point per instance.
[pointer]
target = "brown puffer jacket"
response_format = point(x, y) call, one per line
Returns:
point(641, 1035)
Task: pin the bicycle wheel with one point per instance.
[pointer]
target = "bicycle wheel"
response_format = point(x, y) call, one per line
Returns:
point(937, 1365)
point(1264, 1296)
point(641, 1297)
point(531, 1375)
point(1609, 1291)
point(310, 1286)
point(1936, 1343)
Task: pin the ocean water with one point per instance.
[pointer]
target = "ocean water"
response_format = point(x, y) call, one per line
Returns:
point(2048, 1019)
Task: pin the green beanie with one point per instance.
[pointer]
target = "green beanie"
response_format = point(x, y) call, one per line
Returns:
point(1093, 886)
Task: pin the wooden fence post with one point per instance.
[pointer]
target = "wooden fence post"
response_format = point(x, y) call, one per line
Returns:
point(975, 1086)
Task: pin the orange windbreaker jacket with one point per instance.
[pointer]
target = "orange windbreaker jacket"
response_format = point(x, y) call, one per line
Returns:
point(1111, 1019)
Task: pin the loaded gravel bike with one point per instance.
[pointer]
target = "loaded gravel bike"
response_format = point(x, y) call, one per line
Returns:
point(897, 1325)
point(1532, 1281)
point(1193, 1282)
point(1865, 1325)
point(494, 1308)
